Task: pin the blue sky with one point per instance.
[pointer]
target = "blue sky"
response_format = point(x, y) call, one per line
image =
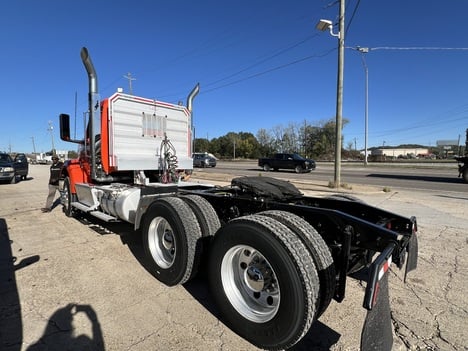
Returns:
point(259, 63)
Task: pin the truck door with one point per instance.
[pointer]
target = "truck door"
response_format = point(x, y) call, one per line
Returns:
point(288, 161)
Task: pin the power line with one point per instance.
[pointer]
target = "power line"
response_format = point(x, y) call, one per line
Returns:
point(414, 48)
point(289, 48)
point(352, 15)
point(273, 69)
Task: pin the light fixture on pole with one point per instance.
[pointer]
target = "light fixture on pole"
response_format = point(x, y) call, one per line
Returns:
point(51, 130)
point(324, 25)
point(366, 71)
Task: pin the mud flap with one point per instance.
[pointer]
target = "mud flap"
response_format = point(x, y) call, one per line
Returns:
point(412, 261)
point(377, 330)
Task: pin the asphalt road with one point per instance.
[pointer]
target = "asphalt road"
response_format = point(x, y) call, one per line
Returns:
point(69, 284)
point(438, 177)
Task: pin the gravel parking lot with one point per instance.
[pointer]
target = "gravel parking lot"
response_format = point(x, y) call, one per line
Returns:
point(66, 283)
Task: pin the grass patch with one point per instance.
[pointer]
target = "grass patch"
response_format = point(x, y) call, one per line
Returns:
point(331, 184)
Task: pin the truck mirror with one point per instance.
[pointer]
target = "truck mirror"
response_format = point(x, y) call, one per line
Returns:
point(64, 126)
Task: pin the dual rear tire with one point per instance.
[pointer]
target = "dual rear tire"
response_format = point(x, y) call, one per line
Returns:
point(173, 232)
point(265, 279)
point(270, 274)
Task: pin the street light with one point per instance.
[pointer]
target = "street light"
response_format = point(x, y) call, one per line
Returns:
point(366, 71)
point(324, 25)
point(51, 130)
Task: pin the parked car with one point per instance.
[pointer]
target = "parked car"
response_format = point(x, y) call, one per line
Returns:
point(11, 168)
point(203, 159)
point(287, 161)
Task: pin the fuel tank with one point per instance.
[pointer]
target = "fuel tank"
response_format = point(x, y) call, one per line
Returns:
point(120, 200)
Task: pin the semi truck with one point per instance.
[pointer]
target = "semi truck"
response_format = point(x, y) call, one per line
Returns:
point(274, 259)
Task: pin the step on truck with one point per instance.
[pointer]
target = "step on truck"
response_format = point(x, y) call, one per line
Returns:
point(274, 259)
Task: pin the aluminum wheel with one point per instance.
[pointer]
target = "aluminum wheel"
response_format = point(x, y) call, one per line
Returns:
point(170, 235)
point(264, 281)
point(250, 283)
point(161, 242)
point(66, 198)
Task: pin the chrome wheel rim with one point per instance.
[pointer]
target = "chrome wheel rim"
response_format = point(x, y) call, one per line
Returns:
point(250, 283)
point(161, 242)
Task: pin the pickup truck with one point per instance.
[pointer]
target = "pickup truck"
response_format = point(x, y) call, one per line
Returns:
point(11, 168)
point(287, 161)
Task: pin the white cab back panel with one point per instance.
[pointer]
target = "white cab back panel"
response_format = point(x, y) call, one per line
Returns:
point(136, 131)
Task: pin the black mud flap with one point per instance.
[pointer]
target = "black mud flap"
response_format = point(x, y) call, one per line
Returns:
point(412, 260)
point(377, 330)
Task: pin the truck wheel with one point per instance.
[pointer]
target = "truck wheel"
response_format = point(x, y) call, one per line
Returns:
point(209, 225)
point(170, 240)
point(205, 213)
point(266, 167)
point(299, 169)
point(67, 198)
point(318, 249)
point(264, 281)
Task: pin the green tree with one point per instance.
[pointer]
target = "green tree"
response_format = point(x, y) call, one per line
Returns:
point(224, 145)
point(320, 140)
point(247, 146)
point(201, 145)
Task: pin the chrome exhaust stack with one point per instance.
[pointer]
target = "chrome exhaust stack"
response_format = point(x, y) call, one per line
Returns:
point(93, 107)
point(191, 96)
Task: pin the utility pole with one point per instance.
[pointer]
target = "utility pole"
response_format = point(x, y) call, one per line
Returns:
point(364, 51)
point(339, 95)
point(34, 145)
point(51, 130)
point(76, 98)
point(324, 25)
point(130, 79)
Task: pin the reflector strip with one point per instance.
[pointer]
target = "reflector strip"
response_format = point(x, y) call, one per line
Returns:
point(377, 273)
point(385, 267)
point(382, 271)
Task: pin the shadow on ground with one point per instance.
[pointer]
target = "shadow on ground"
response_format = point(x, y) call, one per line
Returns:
point(58, 333)
point(424, 178)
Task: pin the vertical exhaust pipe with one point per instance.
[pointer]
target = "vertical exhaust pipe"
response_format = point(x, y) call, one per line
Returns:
point(93, 105)
point(93, 88)
point(191, 96)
